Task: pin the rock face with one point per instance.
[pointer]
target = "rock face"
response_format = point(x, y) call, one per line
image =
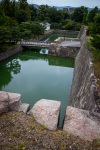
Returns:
point(80, 123)
point(3, 102)
point(46, 112)
point(84, 92)
point(63, 51)
point(14, 101)
point(24, 108)
point(9, 101)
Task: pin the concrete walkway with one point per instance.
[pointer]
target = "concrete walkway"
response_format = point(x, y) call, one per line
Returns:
point(70, 43)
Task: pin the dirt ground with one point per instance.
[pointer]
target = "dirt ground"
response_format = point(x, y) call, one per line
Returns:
point(19, 131)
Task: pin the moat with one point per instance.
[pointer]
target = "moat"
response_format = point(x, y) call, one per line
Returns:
point(38, 76)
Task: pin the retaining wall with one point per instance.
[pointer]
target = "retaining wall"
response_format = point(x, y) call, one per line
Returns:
point(9, 53)
point(63, 51)
point(68, 32)
point(65, 32)
point(82, 116)
point(84, 92)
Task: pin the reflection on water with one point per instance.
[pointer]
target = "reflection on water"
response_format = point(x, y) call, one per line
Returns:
point(6, 70)
point(37, 76)
point(44, 51)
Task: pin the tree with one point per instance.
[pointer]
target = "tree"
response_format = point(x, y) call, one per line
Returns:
point(24, 10)
point(22, 16)
point(79, 14)
point(94, 27)
point(15, 34)
point(3, 19)
point(69, 25)
point(37, 28)
point(33, 12)
point(91, 15)
point(5, 36)
point(96, 41)
point(6, 7)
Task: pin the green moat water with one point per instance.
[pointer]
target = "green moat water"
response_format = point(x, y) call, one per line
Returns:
point(37, 76)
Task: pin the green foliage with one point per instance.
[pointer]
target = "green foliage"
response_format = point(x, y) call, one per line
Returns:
point(5, 34)
point(33, 12)
point(94, 27)
point(96, 42)
point(19, 20)
point(56, 25)
point(3, 19)
point(91, 15)
point(15, 134)
point(93, 20)
point(79, 15)
point(69, 26)
point(32, 127)
point(21, 146)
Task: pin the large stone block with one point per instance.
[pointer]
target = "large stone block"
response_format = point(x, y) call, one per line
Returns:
point(3, 102)
point(14, 101)
point(9, 101)
point(46, 112)
point(80, 123)
point(24, 107)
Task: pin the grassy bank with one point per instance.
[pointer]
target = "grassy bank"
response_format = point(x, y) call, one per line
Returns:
point(96, 64)
point(96, 59)
point(19, 131)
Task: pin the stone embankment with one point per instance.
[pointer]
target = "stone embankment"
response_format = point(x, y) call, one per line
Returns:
point(63, 32)
point(84, 92)
point(63, 51)
point(46, 112)
point(81, 123)
point(70, 48)
point(82, 115)
point(9, 53)
point(11, 102)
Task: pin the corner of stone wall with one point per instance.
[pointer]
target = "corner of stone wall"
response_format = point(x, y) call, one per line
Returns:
point(84, 93)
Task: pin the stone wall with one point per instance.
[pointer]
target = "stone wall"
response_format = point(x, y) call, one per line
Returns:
point(81, 123)
point(82, 116)
point(41, 37)
point(63, 51)
point(65, 32)
point(68, 32)
point(9, 53)
point(61, 39)
point(84, 86)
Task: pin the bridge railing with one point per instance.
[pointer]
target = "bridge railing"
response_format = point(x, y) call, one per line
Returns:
point(24, 43)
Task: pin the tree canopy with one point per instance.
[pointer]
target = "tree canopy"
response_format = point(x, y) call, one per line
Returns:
point(20, 20)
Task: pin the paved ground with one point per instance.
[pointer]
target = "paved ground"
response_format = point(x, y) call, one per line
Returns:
point(70, 43)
